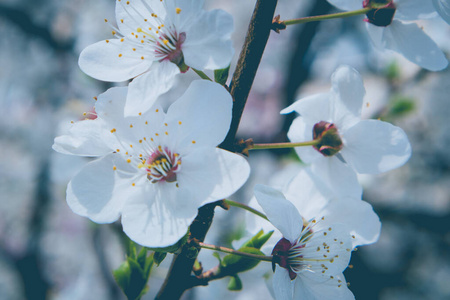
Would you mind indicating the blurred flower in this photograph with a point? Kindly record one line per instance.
(443, 8)
(155, 169)
(364, 146)
(388, 31)
(312, 253)
(150, 31)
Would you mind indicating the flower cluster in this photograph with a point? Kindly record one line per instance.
(156, 168)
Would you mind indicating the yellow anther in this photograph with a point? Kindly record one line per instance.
(120, 55)
(160, 148)
(193, 142)
(128, 2)
(107, 41)
(128, 160)
(113, 130)
(139, 29)
(140, 141)
(114, 168)
(142, 57)
(95, 98)
(140, 114)
(151, 139)
(117, 150)
(131, 125)
(157, 110)
(106, 20)
(156, 31)
(166, 42)
(122, 39)
(146, 123)
(145, 138)
(134, 49)
(121, 20)
(179, 122)
(156, 134)
(72, 122)
(133, 184)
(179, 162)
(178, 10)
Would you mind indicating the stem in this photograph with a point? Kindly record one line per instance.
(246, 207)
(235, 252)
(283, 145)
(201, 74)
(346, 14)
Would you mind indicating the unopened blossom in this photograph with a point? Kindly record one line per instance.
(311, 255)
(389, 26)
(177, 33)
(345, 142)
(154, 169)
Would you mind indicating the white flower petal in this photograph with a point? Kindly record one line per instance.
(358, 216)
(202, 115)
(113, 60)
(347, 4)
(416, 46)
(315, 107)
(189, 11)
(281, 213)
(152, 223)
(311, 287)
(84, 138)
(301, 130)
(348, 89)
(97, 192)
(213, 173)
(414, 9)
(208, 44)
(443, 8)
(340, 177)
(283, 287)
(373, 146)
(144, 90)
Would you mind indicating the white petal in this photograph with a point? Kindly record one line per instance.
(315, 107)
(212, 173)
(151, 222)
(347, 4)
(97, 192)
(358, 216)
(202, 114)
(376, 34)
(443, 8)
(189, 11)
(301, 130)
(283, 287)
(373, 146)
(208, 41)
(84, 139)
(113, 60)
(310, 287)
(416, 46)
(414, 9)
(347, 89)
(144, 90)
(339, 176)
(281, 213)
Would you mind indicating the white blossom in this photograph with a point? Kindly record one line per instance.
(155, 169)
(348, 144)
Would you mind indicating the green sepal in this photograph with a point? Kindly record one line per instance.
(174, 248)
(235, 284)
(221, 75)
(158, 257)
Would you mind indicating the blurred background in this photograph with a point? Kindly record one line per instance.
(48, 252)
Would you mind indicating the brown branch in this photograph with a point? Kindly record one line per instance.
(249, 59)
(179, 278)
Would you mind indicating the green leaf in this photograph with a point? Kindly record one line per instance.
(234, 264)
(122, 276)
(158, 257)
(401, 106)
(132, 276)
(235, 284)
(142, 257)
(258, 240)
(221, 75)
(217, 255)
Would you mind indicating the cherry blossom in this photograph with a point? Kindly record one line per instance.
(178, 34)
(443, 8)
(389, 27)
(312, 254)
(154, 169)
(347, 143)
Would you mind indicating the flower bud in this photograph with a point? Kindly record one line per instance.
(330, 142)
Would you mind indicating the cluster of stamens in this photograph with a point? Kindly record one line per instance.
(162, 165)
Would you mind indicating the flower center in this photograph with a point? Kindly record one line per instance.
(382, 12)
(162, 165)
(330, 142)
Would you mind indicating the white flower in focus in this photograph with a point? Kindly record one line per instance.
(348, 144)
(443, 8)
(312, 254)
(176, 33)
(155, 169)
(388, 30)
